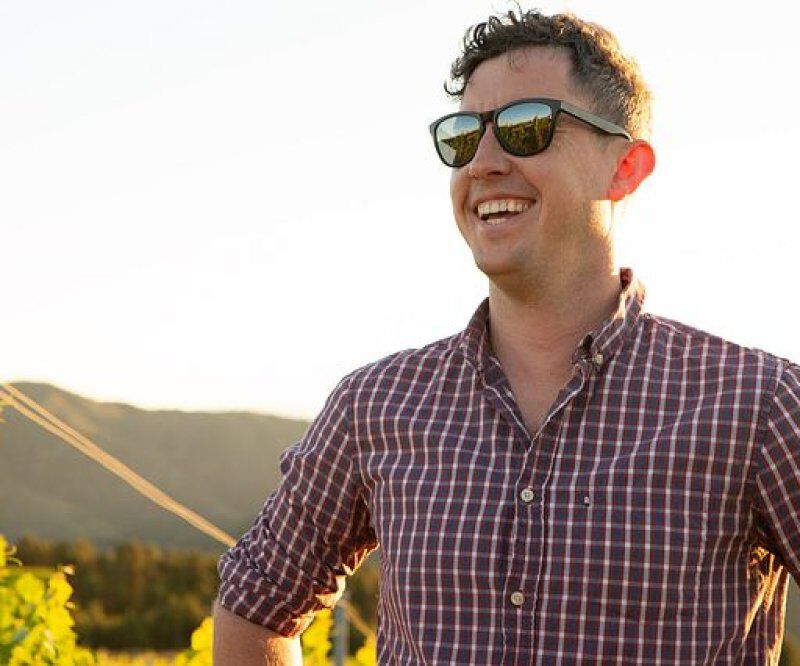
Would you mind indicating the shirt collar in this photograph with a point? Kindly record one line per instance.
(598, 345)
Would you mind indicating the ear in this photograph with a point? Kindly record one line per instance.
(636, 164)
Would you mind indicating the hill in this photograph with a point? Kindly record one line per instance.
(221, 465)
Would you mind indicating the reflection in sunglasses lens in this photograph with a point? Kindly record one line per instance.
(525, 128)
(457, 138)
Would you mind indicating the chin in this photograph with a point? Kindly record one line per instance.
(501, 265)
(495, 270)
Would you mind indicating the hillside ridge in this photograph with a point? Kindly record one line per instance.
(220, 464)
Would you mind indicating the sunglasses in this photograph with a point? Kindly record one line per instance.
(523, 128)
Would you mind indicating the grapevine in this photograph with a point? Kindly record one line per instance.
(36, 625)
(35, 621)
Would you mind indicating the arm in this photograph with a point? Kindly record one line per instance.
(777, 483)
(238, 642)
(311, 533)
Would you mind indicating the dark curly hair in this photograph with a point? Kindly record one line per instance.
(599, 68)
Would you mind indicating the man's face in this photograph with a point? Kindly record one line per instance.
(565, 231)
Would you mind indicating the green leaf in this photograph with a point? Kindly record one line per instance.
(202, 637)
(58, 589)
(30, 588)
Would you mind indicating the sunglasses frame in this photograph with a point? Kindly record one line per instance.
(556, 106)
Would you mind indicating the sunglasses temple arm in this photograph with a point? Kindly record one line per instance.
(596, 121)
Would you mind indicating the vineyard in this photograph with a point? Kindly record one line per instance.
(37, 623)
(37, 626)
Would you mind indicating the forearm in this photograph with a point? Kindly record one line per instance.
(238, 642)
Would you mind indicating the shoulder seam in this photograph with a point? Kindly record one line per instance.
(440, 349)
(765, 413)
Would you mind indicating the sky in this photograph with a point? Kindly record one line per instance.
(229, 206)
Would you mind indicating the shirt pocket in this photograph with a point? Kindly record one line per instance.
(645, 548)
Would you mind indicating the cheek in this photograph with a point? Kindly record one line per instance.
(564, 187)
(590, 174)
(458, 189)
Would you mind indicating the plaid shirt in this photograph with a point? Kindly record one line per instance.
(652, 519)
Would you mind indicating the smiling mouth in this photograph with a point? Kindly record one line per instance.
(497, 211)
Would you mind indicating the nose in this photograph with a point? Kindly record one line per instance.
(490, 158)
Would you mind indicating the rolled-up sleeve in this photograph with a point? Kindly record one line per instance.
(777, 496)
(311, 533)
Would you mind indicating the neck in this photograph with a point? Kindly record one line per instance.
(539, 329)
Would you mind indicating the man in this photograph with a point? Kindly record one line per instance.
(570, 479)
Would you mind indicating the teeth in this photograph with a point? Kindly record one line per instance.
(502, 206)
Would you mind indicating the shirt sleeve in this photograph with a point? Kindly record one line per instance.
(777, 488)
(311, 533)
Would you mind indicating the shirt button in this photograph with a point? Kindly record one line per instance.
(517, 598)
(598, 359)
(527, 495)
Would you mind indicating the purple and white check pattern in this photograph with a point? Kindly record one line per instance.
(652, 519)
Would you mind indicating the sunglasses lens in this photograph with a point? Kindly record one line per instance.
(457, 139)
(526, 128)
